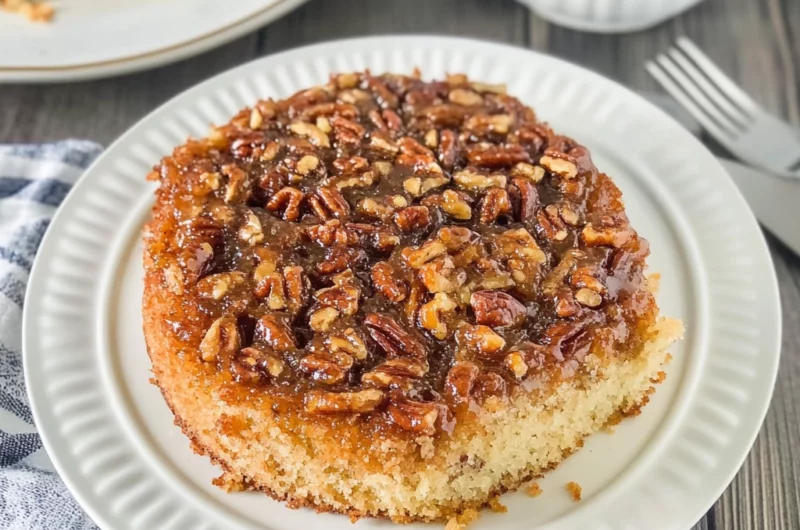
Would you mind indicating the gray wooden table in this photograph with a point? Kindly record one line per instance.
(756, 41)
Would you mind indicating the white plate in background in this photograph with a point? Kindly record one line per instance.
(111, 436)
(608, 16)
(98, 38)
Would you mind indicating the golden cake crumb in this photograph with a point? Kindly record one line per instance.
(35, 11)
(497, 506)
(534, 490)
(574, 490)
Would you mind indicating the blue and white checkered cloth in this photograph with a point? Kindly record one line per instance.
(34, 179)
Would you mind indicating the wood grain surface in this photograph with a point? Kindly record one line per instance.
(756, 41)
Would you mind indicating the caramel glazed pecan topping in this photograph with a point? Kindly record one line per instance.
(384, 245)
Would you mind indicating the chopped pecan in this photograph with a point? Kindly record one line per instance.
(588, 297)
(217, 285)
(394, 340)
(381, 142)
(363, 401)
(560, 166)
(431, 318)
(494, 204)
(415, 416)
(307, 164)
(464, 97)
(480, 340)
(550, 224)
(330, 202)
(496, 156)
(418, 257)
(276, 333)
(221, 339)
(528, 198)
(489, 385)
(412, 218)
(272, 287)
(322, 319)
(496, 309)
(339, 258)
(296, 287)
(349, 342)
(251, 231)
(346, 131)
(331, 233)
(386, 282)
(524, 357)
(238, 187)
(610, 236)
(520, 244)
(386, 98)
(343, 296)
(461, 379)
(173, 277)
(449, 149)
(472, 180)
(528, 171)
(484, 124)
(251, 364)
(416, 156)
(322, 369)
(393, 121)
(455, 205)
(315, 135)
(396, 373)
(565, 304)
(289, 200)
(588, 276)
(442, 276)
(432, 139)
(348, 166)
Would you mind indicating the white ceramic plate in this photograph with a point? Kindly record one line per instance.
(98, 38)
(111, 436)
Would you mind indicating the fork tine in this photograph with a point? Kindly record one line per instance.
(697, 96)
(723, 82)
(677, 92)
(716, 97)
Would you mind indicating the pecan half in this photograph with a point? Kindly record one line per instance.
(528, 198)
(415, 416)
(431, 315)
(363, 401)
(386, 282)
(461, 379)
(221, 339)
(218, 285)
(496, 309)
(339, 258)
(287, 200)
(392, 338)
(396, 373)
(346, 131)
(331, 233)
(276, 333)
(550, 224)
(495, 203)
(412, 218)
(330, 202)
(343, 296)
(497, 156)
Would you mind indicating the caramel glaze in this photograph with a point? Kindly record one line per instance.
(209, 188)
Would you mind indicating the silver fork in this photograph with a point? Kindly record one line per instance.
(726, 112)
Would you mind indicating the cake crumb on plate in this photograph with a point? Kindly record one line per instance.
(574, 490)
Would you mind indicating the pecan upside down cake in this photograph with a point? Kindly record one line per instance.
(394, 298)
